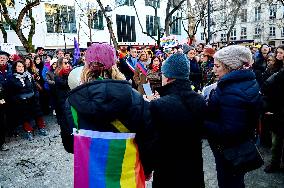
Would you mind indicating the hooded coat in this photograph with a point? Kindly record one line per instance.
(177, 116)
(100, 102)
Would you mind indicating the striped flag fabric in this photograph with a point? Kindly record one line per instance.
(106, 160)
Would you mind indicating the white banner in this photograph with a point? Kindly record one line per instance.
(8, 47)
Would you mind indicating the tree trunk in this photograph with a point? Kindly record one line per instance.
(4, 32)
(235, 16)
(109, 25)
(167, 20)
(32, 31)
(27, 43)
(157, 27)
(169, 14)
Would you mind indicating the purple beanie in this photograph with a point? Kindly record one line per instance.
(101, 53)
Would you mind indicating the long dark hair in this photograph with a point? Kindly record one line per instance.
(152, 60)
(59, 66)
(14, 66)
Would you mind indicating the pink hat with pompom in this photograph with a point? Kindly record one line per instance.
(101, 53)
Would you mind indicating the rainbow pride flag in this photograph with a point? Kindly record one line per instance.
(106, 160)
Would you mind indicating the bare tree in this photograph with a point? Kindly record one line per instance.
(156, 24)
(172, 7)
(109, 24)
(2, 28)
(196, 14)
(226, 17)
(16, 24)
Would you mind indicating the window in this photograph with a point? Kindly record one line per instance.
(272, 11)
(272, 31)
(153, 3)
(124, 2)
(233, 35)
(257, 11)
(125, 28)
(60, 18)
(176, 25)
(223, 37)
(257, 32)
(243, 33)
(282, 32)
(203, 22)
(202, 36)
(97, 20)
(244, 15)
(151, 27)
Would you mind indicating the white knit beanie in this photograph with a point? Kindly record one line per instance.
(234, 56)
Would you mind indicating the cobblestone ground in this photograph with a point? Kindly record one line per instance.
(44, 163)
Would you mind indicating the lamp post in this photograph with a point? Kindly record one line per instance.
(108, 11)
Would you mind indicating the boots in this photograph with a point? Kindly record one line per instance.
(41, 125)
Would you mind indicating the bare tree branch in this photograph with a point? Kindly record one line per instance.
(139, 21)
(15, 24)
(109, 24)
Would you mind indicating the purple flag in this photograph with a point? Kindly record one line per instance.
(76, 52)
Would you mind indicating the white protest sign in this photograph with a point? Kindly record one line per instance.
(8, 47)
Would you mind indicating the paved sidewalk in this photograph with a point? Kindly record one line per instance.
(44, 163)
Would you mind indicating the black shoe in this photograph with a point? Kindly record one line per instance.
(29, 136)
(271, 168)
(42, 132)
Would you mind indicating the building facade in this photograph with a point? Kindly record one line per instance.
(258, 21)
(59, 22)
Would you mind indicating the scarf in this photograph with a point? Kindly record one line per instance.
(64, 72)
(155, 68)
(3, 68)
(22, 77)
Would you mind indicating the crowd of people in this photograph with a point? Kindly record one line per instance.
(243, 102)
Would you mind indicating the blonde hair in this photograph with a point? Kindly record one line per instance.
(98, 72)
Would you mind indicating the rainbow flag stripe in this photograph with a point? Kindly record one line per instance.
(106, 160)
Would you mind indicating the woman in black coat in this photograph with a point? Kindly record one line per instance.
(233, 109)
(61, 88)
(3, 125)
(103, 97)
(273, 91)
(23, 98)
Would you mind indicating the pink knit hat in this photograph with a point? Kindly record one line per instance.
(101, 53)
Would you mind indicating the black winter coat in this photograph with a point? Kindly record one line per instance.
(178, 118)
(61, 90)
(100, 102)
(23, 98)
(273, 90)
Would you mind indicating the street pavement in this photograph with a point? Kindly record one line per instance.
(43, 163)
